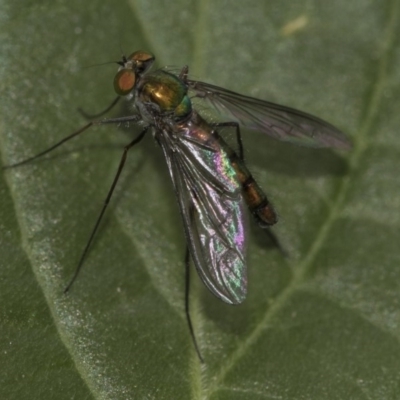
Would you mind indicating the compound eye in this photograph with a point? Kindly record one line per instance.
(141, 56)
(143, 60)
(124, 81)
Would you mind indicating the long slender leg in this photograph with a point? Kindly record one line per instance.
(101, 113)
(187, 309)
(106, 202)
(118, 120)
(72, 135)
(238, 134)
(130, 118)
(184, 76)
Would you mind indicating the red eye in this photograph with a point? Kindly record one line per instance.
(124, 81)
(142, 60)
(141, 56)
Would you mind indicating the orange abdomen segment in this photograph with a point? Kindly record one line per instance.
(254, 196)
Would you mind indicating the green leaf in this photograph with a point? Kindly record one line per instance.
(322, 323)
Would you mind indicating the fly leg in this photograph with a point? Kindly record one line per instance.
(183, 75)
(106, 202)
(130, 118)
(187, 290)
(101, 113)
(238, 134)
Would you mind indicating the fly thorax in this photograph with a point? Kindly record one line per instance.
(184, 109)
(165, 94)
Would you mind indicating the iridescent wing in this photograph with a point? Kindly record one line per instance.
(280, 122)
(212, 209)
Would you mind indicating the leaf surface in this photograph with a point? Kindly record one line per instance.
(322, 323)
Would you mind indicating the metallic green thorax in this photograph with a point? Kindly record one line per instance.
(166, 91)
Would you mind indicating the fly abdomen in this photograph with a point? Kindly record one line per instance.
(258, 203)
(254, 196)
